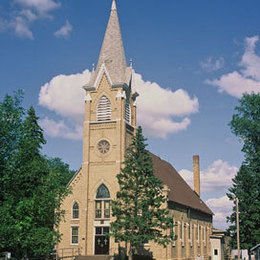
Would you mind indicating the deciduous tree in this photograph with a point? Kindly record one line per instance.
(245, 124)
(32, 186)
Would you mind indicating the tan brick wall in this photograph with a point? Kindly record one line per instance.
(100, 169)
(97, 168)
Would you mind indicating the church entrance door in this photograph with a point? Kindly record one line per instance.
(101, 241)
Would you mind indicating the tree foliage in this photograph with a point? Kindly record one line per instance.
(140, 206)
(246, 185)
(32, 186)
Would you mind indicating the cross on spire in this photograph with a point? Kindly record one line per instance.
(113, 7)
(112, 53)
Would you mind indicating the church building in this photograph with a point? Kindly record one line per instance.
(109, 124)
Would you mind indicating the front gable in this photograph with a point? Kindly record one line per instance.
(103, 78)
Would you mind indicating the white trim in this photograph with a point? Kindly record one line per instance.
(94, 236)
(190, 234)
(102, 70)
(72, 226)
(147, 244)
(204, 235)
(102, 122)
(118, 94)
(183, 233)
(102, 200)
(198, 235)
(174, 231)
(104, 110)
(88, 98)
(75, 201)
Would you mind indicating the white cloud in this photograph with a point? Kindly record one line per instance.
(235, 84)
(156, 106)
(21, 27)
(41, 6)
(28, 14)
(64, 31)
(250, 61)
(218, 176)
(61, 129)
(222, 207)
(25, 13)
(64, 95)
(212, 64)
(247, 80)
(19, 23)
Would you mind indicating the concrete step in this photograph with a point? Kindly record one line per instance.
(94, 257)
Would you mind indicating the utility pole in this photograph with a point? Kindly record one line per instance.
(237, 215)
(238, 242)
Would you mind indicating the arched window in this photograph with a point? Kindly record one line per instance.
(102, 202)
(104, 109)
(75, 210)
(127, 112)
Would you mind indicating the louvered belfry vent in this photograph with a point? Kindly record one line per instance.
(127, 112)
(104, 109)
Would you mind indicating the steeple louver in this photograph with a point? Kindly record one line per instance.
(112, 54)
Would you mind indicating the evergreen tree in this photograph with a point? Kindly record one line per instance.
(140, 206)
(246, 185)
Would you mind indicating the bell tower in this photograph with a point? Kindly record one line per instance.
(109, 124)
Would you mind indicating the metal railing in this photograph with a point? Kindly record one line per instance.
(62, 253)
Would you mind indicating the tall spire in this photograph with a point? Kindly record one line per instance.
(112, 53)
(113, 7)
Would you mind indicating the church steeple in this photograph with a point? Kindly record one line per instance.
(114, 5)
(112, 54)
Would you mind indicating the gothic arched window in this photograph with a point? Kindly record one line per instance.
(75, 210)
(102, 202)
(103, 109)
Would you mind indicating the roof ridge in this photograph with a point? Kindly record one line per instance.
(163, 174)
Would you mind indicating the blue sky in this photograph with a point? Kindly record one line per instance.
(193, 59)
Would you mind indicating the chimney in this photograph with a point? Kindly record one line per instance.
(196, 174)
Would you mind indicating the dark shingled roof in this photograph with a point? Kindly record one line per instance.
(180, 191)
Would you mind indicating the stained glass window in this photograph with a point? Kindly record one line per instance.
(103, 192)
(75, 210)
